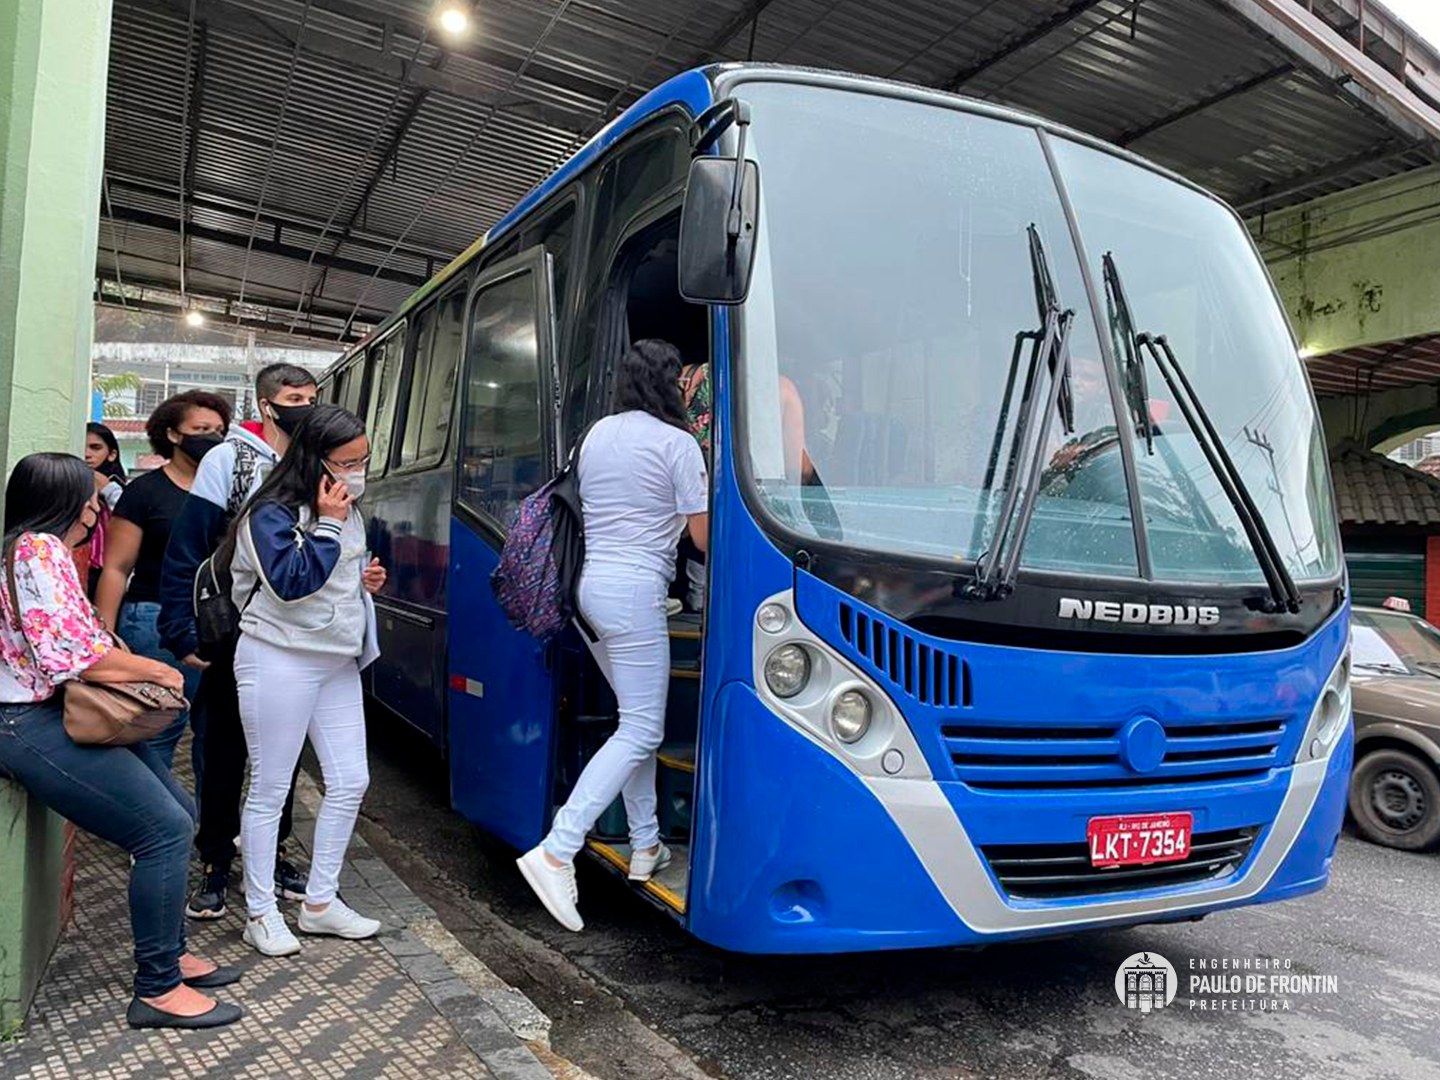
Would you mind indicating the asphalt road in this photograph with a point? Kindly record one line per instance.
(633, 987)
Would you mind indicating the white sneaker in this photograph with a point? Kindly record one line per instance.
(338, 920)
(555, 886)
(237, 843)
(269, 935)
(643, 867)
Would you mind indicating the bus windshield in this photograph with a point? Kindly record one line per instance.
(885, 349)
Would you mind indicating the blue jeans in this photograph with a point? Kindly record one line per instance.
(138, 627)
(125, 795)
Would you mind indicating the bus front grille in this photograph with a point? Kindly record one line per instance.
(1058, 871)
(1084, 755)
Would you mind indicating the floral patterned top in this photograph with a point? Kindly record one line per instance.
(58, 635)
(699, 409)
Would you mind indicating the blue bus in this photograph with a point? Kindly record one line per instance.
(1025, 610)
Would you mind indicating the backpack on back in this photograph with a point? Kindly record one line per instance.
(541, 561)
(217, 619)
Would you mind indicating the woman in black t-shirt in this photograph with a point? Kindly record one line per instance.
(182, 430)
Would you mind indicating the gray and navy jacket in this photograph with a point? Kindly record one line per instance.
(227, 477)
(297, 579)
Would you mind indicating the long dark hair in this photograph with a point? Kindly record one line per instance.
(296, 479)
(648, 379)
(46, 493)
(113, 469)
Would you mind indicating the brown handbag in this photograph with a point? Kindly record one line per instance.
(109, 714)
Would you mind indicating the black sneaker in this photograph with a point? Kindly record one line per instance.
(289, 882)
(208, 901)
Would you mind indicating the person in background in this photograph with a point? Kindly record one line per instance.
(49, 636)
(301, 578)
(182, 430)
(229, 475)
(642, 482)
(102, 454)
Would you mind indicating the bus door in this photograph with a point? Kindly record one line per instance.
(501, 688)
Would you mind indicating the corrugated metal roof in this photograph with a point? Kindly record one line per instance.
(325, 156)
(1414, 361)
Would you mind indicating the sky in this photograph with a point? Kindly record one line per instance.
(1422, 15)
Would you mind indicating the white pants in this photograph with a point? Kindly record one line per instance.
(285, 695)
(627, 610)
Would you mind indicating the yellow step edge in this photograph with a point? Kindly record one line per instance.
(673, 762)
(685, 635)
(610, 855)
(684, 673)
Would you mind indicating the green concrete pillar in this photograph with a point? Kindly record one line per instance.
(53, 60)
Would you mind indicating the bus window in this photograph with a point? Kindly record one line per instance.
(650, 169)
(432, 384)
(386, 361)
(354, 377)
(502, 454)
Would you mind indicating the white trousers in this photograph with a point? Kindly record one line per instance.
(626, 608)
(286, 695)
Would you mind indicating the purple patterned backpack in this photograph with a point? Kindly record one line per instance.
(541, 561)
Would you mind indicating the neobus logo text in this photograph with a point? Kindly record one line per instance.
(1115, 611)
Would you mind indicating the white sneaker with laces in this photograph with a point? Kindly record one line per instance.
(338, 920)
(269, 935)
(554, 885)
(644, 866)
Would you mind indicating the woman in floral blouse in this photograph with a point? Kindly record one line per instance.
(49, 636)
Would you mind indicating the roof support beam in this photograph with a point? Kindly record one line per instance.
(1258, 199)
(109, 293)
(1207, 102)
(266, 245)
(271, 217)
(1018, 43)
(729, 30)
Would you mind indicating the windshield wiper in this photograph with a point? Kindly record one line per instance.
(1137, 388)
(996, 568)
(1283, 594)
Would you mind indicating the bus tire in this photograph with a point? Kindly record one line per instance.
(1395, 800)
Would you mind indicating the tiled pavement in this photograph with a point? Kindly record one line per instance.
(389, 1007)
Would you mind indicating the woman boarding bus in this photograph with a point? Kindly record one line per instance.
(1042, 631)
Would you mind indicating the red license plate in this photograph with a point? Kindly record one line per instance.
(1136, 839)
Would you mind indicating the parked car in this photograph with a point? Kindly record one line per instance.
(1395, 788)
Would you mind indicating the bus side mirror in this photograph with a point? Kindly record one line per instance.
(717, 230)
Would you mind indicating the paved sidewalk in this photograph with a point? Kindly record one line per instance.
(389, 1007)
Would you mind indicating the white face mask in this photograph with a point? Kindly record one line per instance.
(354, 481)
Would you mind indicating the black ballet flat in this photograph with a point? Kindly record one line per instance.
(141, 1015)
(221, 976)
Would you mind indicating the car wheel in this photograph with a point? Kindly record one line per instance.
(1395, 800)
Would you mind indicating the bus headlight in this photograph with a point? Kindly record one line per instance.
(850, 716)
(787, 670)
(1331, 713)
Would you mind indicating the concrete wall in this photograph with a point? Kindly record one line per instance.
(1359, 267)
(53, 58)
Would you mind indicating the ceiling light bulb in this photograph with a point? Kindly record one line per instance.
(194, 318)
(454, 19)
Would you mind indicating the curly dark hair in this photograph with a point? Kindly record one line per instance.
(170, 414)
(649, 380)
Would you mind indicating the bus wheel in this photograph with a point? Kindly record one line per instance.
(1395, 800)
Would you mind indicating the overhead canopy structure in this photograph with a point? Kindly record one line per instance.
(301, 165)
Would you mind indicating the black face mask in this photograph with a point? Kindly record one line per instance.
(197, 446)
(287, 417)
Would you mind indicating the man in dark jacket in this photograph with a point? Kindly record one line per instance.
(227, 477)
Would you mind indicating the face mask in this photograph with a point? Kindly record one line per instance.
(197, 446)
(354, 482)
(287, 417)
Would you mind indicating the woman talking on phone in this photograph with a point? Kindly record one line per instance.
(302, 582)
